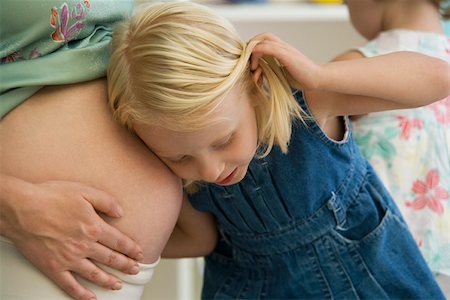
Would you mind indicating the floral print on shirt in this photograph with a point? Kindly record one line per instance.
(59, 19)
(410, 151)
(429, 193)
(66, 23)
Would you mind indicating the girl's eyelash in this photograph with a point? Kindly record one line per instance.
(226, 143)
(221, 146)
(179, 160)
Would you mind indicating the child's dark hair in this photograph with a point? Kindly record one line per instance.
(444, 8)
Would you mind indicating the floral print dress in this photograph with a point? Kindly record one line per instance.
(410, 150)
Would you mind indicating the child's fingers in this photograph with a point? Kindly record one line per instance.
(279, 50)
(266, 36)
(301, 71)
(254, 62)
(263, 38)
(263, 48)
(257, 73)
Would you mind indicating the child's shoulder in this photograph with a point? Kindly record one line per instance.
(429, 43)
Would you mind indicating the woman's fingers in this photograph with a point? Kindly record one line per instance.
(117, 241)
(67, 282)
(105, 233)
(109, 252)
(91, 272)
(101, 201)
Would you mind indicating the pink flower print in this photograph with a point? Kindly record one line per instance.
(16, 55)
(78, 12)
(429, 193)
(420, 243)
(56, 35)
(441, 111)
(406, 125)
(60, 21)
(34, 53)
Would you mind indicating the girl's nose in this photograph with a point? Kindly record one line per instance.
(210, 169)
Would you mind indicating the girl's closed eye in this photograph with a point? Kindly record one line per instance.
(178, 160)
(224, 142)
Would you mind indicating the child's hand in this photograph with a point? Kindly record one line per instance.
(304, 73)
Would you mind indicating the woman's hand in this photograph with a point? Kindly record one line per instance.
(56, 226)
(304, 73)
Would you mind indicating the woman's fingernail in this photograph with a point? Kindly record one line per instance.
(119, 211)
(117, 285)
(134, 270)
(139, 256)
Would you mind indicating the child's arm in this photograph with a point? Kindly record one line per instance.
(195, 234)
(393, 81)
(354, 105)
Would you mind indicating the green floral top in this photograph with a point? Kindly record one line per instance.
(49, 42)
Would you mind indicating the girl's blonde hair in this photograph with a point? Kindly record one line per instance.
(172, 64)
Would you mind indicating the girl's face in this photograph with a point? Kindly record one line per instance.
(219, 153)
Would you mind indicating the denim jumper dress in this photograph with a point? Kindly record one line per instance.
(315, 223)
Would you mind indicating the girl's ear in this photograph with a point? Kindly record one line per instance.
(258, 77)
(258, 80)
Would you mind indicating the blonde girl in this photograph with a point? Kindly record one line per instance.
(300, 213)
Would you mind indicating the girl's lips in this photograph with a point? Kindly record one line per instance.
(228, 179)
